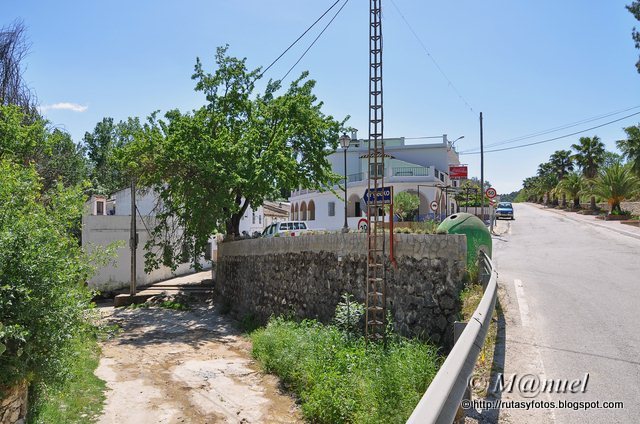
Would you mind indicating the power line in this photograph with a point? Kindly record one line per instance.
(424, 47)
(298, 39)
(555, 138)
(316, 39)
(562, 127)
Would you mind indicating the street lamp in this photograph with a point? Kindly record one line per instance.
(344, 142)
(451, 143)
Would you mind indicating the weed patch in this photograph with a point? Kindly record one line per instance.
(80, 399)
(339, 378)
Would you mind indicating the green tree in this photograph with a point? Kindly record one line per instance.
(562, 163)
(590, 155)
(547, 181)
(616, 183)
(634, 8)
(631, 147)
(26, 140)
(611, 158)
(107, 174)
(572, 185)
(43, 298)
(405, 205)
(209, 165)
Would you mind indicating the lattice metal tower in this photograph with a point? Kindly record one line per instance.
(376, 272)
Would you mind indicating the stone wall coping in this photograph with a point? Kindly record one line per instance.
(412, 245)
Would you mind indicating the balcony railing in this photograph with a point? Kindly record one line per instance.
(410, 171)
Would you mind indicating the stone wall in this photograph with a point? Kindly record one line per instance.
(13, 404)
(307, 275)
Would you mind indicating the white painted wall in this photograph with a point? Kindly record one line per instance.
(100, 231)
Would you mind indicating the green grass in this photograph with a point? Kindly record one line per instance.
(81, 398)
(344, 380)
(471, 297)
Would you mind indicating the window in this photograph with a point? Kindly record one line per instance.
(207, 252)
(253, 218)
(99, 208)
(303, 212)
(375, 169)
(332, 208)
(260, 219)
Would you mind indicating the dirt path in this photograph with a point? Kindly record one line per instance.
(185, 367)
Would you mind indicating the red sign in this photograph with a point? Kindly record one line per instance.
(458, 172)
(491, 192)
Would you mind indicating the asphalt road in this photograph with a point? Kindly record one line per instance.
(571, 294)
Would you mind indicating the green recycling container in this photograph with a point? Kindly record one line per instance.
(478, 236)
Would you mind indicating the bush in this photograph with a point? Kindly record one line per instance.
(43, 300)
(343, 379)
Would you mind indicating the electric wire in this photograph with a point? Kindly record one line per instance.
(424, 47)
(551, 130)
(300, 37)
(316, 39)
(552, 139)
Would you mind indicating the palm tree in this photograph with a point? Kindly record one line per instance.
(631, 147)
(547, 181)
(562, 163)
(572, 185)
(616, 183)
(589, 156)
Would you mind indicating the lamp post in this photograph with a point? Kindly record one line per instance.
(344, 142)
(451, 143)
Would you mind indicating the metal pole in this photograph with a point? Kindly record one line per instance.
(481, 170)
(345, 228)
(133, 239)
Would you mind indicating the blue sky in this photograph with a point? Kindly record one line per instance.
(528, 66)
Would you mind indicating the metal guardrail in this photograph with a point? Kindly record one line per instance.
(442, 399)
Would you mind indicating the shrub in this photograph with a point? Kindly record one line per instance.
(43, 299)
(343, 379)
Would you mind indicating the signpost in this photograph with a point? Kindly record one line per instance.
(491, 192)
(458, 172)
(383, 194)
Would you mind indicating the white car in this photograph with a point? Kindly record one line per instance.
(285, 228)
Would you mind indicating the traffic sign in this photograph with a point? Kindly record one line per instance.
(434, 206)
(363, 224)
(491, 192)
(383, 194)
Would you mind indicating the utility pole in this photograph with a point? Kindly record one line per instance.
(133, 239)
(481, 170)
(376, 290)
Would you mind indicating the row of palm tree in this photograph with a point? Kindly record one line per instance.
(589, 170)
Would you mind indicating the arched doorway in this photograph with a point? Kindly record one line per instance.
(303, 211)
(296, 213)
(311, 210)
(353, 208)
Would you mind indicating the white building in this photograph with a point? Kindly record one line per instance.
(420, 169)
(108, 220)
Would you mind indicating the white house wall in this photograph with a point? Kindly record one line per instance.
(101, 231)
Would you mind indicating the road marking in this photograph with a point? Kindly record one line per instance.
(523, 306)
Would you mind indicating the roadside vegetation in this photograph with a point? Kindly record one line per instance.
(47, 335)
(590, 174)
(470, 299)
(80, 399)
(337, 376)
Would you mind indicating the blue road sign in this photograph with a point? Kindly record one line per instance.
(383, 194)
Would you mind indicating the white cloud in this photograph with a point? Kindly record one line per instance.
(64, 106)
